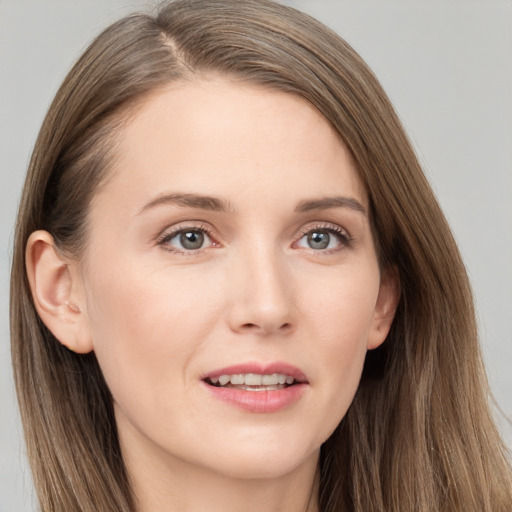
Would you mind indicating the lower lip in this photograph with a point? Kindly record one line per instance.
(259, 401)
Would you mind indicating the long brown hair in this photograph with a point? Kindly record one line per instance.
(419, 434)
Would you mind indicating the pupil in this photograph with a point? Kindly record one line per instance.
(192, 239)
(318, 240)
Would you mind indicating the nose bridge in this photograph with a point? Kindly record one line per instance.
(263, 297)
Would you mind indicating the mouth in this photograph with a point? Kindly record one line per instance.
(252, 381)
(257, 388)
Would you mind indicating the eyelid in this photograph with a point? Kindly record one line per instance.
(345, 237)
(170, 232)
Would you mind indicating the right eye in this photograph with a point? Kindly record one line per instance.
(187, 240)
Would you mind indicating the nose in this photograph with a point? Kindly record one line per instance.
(262, 295)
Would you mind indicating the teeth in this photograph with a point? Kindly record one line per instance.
(269, 380)
(253, 379)
(223, 380)
(260, 388)
(237, 379)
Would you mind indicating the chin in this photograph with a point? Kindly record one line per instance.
(264, 459)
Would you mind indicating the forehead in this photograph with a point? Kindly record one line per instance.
(218, 135)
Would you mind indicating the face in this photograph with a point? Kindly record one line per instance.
(230, 283)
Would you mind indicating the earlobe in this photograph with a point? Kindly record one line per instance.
(56, 293)
(385, 308)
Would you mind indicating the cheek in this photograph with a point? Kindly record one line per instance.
(341, 308)
(146, 328)
(340, 319)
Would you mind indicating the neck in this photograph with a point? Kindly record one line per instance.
(164, 484)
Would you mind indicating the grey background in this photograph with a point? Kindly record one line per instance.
(447, 66)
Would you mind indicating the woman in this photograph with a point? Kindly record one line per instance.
(231, 275)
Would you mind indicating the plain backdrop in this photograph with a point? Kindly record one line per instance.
(447, 66)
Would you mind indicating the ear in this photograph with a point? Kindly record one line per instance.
(385, 307)
(57, 292)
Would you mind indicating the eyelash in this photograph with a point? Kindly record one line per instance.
(167, 236)
(343, 236)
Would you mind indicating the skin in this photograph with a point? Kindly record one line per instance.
(160, 316)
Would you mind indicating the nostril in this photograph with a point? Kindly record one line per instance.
(267, 329)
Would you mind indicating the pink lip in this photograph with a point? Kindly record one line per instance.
(259, 401)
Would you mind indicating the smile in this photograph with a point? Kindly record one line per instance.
(257, 388)
(252, 381)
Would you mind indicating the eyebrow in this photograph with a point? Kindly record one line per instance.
(189, 200)
(326, 203)
(219, 205)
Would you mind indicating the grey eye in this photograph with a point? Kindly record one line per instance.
(191, 240)
(318, 239)
(187, 240)
(324, 239)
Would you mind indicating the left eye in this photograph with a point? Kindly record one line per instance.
(188, 240)
(321, 239)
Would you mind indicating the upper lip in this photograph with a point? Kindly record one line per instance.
(261, 369)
